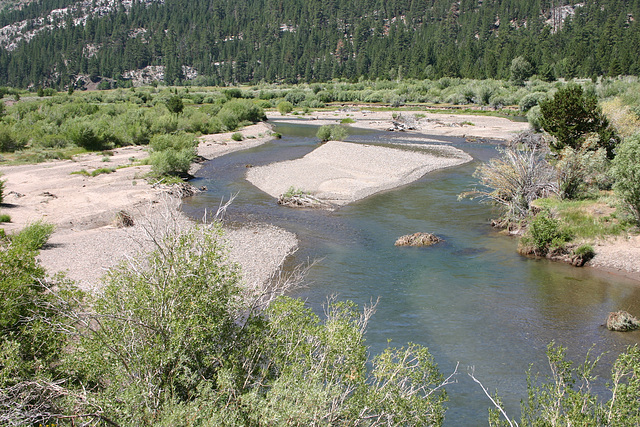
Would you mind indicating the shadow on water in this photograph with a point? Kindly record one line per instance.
(470, 299)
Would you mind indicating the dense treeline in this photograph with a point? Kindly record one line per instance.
(291, 41)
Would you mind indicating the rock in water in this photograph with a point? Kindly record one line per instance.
(418, 239)
(622, 321)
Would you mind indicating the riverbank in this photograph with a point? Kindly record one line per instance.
(436, 124)
(87, 240)
(83, 208)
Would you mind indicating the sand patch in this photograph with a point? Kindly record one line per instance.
(342, 172)
(438, 124)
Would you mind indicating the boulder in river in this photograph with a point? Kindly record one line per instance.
(622, 321)
(418, 239)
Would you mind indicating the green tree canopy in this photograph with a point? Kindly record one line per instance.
(175, 104)
(571, 115)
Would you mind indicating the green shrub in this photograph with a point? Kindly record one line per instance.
(245, 110)
(331, 133)
(175, 105)
(545, 233)
(531, 100)
(534, 117)
(295, 97)
(348, 120)
(571, 115)
(584, 251)
(228, 119)
(566, 396)
(180, 337)
(8, 141)
(626, 170)
(237, 136)
(285, 107)
(583, 172)
(172, 154)
(232, 93)
(5, 218)
(101, 171)
(33, 236)
(2, 184)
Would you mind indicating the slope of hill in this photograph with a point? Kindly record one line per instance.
(50, 42)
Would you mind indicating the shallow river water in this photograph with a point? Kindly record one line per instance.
(471, 299)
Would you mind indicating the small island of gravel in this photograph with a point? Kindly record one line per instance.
(343, 172)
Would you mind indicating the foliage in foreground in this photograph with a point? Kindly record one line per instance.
(567, 396)
(31, 321)
(175, 336)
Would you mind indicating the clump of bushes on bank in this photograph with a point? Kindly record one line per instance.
(57, 126)
(332, 133)
(172, 154)
(557, 192)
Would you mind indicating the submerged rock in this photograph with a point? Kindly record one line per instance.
(622, 321)
(418, 239)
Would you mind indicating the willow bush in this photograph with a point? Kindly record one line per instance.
(626, 167)
(514, 180)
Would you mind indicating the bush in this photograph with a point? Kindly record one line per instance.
(232, 93)
(571, 115)
(581, 172)
(285, 107)
(8, 141)
(34, 236)
(544, 233)
(237, 136)
(626, 170)
(175, 105)
(295, 97)
(584, 251)
(31, 344)
(567, 395)
(2, 184)
(5, 218)
(228, 119)
(531, 100)
(172, 154)
(534, 117)
(244, 110)
(178, 336)
(514, 181)
(331, 133)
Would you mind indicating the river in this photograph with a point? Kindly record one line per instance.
(471, 299)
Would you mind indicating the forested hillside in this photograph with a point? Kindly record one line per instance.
(235, 41)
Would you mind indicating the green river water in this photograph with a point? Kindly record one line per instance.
(471, 299)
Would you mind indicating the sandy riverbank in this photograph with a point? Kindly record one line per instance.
(87, 242)
(436, 124)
